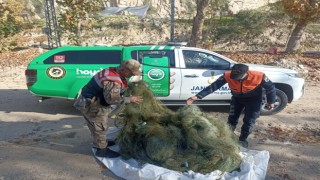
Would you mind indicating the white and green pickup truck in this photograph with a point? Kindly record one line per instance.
(173, 72)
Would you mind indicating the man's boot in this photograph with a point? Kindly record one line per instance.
(243, 140)
(106, 152)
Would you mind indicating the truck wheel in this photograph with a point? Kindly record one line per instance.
(279, 105)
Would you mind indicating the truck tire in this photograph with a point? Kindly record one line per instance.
(279, 105)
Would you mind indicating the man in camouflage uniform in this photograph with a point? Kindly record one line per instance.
(105, 89)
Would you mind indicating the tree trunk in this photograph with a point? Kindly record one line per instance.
(198, 20)
(113, 3)
(295, 37)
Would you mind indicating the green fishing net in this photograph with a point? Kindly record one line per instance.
(187, 139)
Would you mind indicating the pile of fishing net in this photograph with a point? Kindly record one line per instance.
(184, 140)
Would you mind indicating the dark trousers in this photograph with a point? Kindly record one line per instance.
(251, 107)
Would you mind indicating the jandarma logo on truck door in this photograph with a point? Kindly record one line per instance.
(56, 72)
(156, 74)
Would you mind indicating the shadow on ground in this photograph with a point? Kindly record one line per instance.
(20, 100)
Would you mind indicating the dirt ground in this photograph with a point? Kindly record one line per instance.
(49, 140)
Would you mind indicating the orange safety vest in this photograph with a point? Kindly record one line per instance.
(110, 74)
(253, 80)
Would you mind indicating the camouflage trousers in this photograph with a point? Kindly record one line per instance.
(96, 117)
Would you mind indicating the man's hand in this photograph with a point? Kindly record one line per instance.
(269, 106)
(136, 99)
(191, 99)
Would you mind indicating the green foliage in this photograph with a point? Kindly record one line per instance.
(13, 43)
(245, 25)
(252, 21)
(183, 21)
(38, 5)
(276, 9)
(10, 21)
(190, 6)
(8, 28)
(313, 28)
(39, 23)
(218, 6)
(152, 10)
(275, 13)
(26, 26)
(77, 16)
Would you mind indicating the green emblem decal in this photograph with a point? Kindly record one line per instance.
(156, 74)
(56, 72)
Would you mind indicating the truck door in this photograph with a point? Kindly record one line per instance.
(159, 70)
(199, 70)
(156, 72)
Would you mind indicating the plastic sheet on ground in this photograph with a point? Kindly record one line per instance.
(253, 167)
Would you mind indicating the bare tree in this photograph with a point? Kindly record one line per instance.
(198, 20)
(113, 3)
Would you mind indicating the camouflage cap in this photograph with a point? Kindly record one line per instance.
(133, 66)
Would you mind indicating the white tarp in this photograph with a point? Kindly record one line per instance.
(139, 11)
(253, 167)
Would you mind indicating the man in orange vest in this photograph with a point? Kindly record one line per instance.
(104, 89)
(247, 93)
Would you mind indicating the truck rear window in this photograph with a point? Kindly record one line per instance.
(86, 57)
(138, 55)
